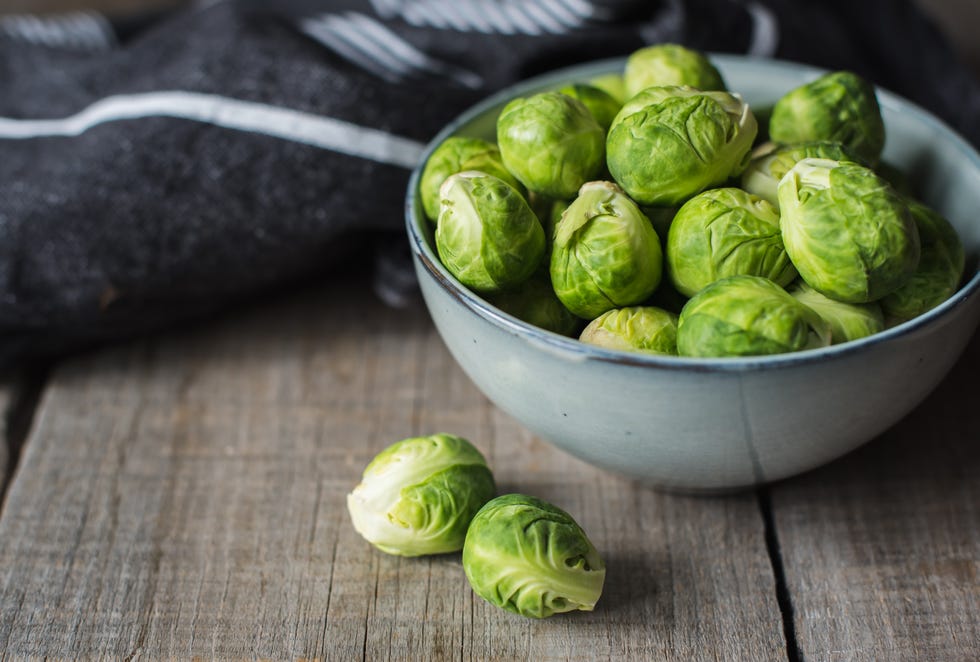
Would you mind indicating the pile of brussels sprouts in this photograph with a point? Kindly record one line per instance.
(648, 212)
(436, 494)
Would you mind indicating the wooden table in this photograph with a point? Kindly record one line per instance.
(184, 497)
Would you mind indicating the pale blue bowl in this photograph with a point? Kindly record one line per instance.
(715, 424)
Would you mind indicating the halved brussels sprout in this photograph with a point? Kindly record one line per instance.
(747, 316)
(456, 154)
(849, 233)
(634, 329)
(839, 107)
(600, 103)
(939, 271)
(551, 142)
(672, 149)
(725, 232)
(670, 64)
(531, 558)
(419, 495)
(770, 162)
(606, 253)
(487, 236)
(848, 321)
(534, 301)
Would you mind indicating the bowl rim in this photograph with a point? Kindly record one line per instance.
(574, 348)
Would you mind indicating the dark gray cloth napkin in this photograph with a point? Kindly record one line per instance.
(156, 170)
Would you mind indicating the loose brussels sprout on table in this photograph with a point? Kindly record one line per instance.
(531, 558)
(551, 142)
(849, 233)
(813, 210)
(606, 253)
(725, 232)
(670, 64)
(487, 235)
(418, 495)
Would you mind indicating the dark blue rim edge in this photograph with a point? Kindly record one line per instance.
(563, 344)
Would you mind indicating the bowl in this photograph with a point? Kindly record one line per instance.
(714, 424)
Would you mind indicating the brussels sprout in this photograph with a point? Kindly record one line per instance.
(600, 103)
(770, 162)
(672, 149)
(725, 232)
(418, 495)
(658, 94)
(634, 329)
(611, 84)
(534, 301)
(606, 253)
(551, 142)
(746, 316)
(848, 232)
(848, 321)
(669, 64)
(839, 107)
(531, 558)
(487, 236)
(939, 272)
(457, 154)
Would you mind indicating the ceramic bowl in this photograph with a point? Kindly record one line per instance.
(715, 424)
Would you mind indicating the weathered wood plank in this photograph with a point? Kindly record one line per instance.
(882, 548)
(186, 497)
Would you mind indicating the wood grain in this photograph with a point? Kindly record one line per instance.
(882, 549)
(184, 497)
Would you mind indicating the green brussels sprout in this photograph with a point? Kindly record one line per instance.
(487, 236)
(672, 149)
(848, 321)
(418, 495)
(838, 107)
(534, 301)
(551, 142)
(611, 84)
(634, 329)
(531, 558)
(456, 154)
(770, 162)
(669, 64)
(747, 316)
(600, 103)
(939, 272)
(849, 233)
(654, 95)
(606, 253)
(725, 232)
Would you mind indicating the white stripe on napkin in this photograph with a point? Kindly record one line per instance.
(298, 126)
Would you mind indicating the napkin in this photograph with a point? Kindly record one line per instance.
(159, 169)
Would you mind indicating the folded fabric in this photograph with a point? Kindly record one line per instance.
(159, 170)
